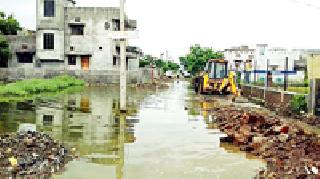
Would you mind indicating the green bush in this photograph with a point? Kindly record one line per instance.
(298, 103)
(34, 86)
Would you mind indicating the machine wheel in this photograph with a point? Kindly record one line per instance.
(200, 86)
(196, 85)
(225, 91)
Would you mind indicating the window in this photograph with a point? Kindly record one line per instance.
(107, 25)
(49, 10)
(24, 46)
(211, 70)
(261, 51)
(48, 41)
(24, 58)
(77, 19)
(77, 29)
(116, 24)
(220, 70)
(47, 120)
(114, 61)
(127, 63)
(100, 48)
(71, 48)
(118, 50)
(72, 60)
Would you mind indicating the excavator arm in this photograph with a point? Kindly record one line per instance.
(232, 82)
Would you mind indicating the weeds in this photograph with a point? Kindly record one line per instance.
(35, 86)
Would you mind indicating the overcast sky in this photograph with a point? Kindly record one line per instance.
(175, 24)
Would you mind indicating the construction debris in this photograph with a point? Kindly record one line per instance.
(289, 151)
(31, 155)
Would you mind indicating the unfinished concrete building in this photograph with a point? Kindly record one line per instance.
(80, 38)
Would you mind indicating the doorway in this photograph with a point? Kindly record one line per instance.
(85, 62)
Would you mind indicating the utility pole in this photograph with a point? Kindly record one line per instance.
(123, 91)
(123, 72)
(285, 85)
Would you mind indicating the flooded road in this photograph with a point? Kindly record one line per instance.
(159, 138)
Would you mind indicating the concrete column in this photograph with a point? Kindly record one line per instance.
(312, 97)
(123, 72)
(285, 85)
(121, 139)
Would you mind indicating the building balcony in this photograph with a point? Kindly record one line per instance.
(123, 35)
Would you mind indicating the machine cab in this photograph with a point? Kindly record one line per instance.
(217, 69)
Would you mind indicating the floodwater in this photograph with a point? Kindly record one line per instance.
(160, 137)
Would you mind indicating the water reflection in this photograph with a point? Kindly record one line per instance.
(162, 136)
(89, 121)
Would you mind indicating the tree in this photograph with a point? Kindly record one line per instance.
(8, 25)
(145, 61)
(158, 63)
(197, 58)
(173, 66)
(4, 51)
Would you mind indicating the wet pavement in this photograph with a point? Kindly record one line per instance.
(165, 135)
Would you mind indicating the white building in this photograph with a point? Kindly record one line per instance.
(256, 60)
(79, 38)
(240, 55)
(276, 57)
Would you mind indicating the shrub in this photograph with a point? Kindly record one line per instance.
(298, 103)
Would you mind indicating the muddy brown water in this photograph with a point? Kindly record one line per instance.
(164, 136)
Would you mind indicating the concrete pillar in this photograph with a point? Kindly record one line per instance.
(285, 84)
(123, 72)
(121, 139)
(313, 96)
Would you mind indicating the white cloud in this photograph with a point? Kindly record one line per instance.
(175, 24)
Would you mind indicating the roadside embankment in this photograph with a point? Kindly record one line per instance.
(34, 86)
(284, 103)
(289, 150)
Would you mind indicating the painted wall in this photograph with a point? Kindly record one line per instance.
(313, 66)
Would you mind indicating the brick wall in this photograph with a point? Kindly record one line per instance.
(91, 77)
(274, 100)
(246, 91)
(257, 92)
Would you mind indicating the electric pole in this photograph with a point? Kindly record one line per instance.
(123, 72)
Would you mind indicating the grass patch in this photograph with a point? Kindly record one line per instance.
(301, 90)
(35, 86)
(43, 95)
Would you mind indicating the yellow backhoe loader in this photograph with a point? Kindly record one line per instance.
(216, 79)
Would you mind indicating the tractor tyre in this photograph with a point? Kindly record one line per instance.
(200, 89)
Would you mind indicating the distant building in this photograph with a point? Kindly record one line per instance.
(238, 55)
(276, 57)
(257, 60)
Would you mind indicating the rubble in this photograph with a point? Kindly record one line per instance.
(311, 120)
(289, 151)
(31, 155)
